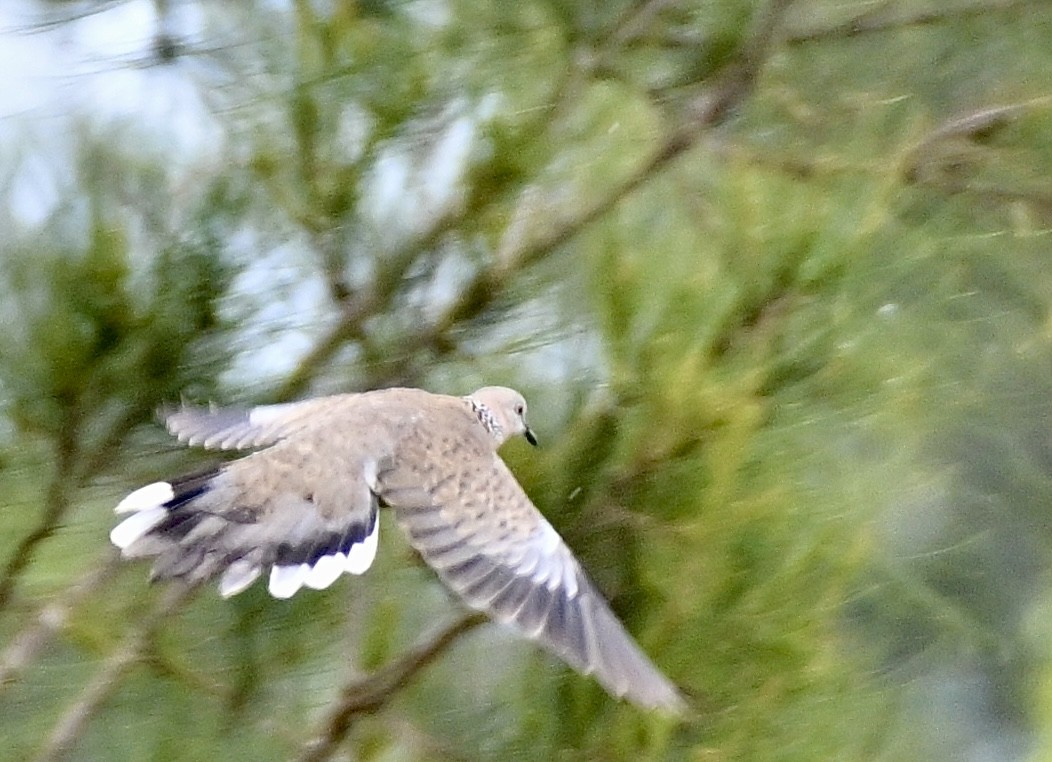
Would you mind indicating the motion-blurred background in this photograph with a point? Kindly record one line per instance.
(776, 278)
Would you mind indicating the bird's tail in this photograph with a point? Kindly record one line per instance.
(205, 525)
(169, 521)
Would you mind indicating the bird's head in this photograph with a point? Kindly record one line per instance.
(503, 412)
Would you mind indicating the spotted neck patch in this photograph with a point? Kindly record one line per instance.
(487, 419)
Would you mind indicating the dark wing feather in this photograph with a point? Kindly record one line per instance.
(487, 541)
(301, 513)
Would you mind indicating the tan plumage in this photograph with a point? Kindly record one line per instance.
(305, 507)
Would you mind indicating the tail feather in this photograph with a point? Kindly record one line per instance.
(160, 519)
(152, 511)
(151, 496)
(137, 526)
(197, 527)
(177, 561)
(238, 577)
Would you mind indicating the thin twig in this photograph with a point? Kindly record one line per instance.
(740, 77)
(356, 308)
(126, 655)
(56, 504)
(106, 448)
(74, 466)
(478, 295)
(884, 20)
(982, 120)
(49, 621)
(633, 24)
(372, 692)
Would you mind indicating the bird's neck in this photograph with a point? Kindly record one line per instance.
(487, 419)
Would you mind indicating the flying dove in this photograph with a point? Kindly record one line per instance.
(303, 506)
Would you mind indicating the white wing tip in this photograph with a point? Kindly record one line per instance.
(151, 496)
(136, 526)
(285, 581)
(360, 557)
(325, 571)
(238, 577)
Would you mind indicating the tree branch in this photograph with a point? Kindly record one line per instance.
(740, 77)
(56, 503)
(68, 730)
(49, 621)
(356, 308)
(970, 126)
(634, 24)
(919, 162)
(517, 253)
(372, 692)
(886, 19)
(73, 467)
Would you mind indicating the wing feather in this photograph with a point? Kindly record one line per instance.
(235, 428)
(303, 518)
(489, 543)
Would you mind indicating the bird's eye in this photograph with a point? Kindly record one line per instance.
(520, 410)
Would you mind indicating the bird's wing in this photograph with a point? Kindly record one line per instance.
(472, 522)
(303, 510)
(244, 428)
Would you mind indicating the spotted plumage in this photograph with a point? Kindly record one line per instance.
(302, 509)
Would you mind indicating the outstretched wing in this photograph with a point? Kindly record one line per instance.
(243, 428)
(486, 540)
(302, 513)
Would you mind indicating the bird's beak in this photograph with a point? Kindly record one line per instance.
(530, 436)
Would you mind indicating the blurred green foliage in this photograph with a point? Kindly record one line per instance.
(789, 361)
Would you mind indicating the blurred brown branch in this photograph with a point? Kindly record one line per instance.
(371, 693)
(126, 655)
(887, 18)
(49, 621)
(74, 466)
(545, 228)
(356, 308)
(740, 76)
(56, 504)
(926, 158)
(635, 22)
(923, 163)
